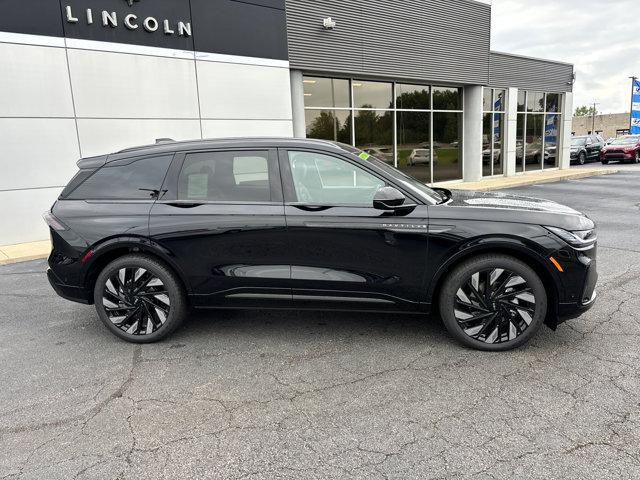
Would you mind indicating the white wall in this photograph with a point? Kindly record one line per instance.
(63, 99)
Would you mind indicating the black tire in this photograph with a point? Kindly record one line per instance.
(582, 158)
(636, 159)
(605, 162)
(144, 304)
(505, 314)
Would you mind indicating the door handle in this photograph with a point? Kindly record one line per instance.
(184, 204)
(312, 208)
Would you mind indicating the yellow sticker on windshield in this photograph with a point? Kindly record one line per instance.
(364, 156)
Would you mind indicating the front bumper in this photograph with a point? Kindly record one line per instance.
(68, 292)
(588, 293)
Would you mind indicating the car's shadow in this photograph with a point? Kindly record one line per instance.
(327, 324)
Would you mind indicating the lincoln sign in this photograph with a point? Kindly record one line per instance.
(130, 21)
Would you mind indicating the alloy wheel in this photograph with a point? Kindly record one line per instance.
(136, 301)
(495, 306)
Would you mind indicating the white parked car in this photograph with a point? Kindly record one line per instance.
(421, 156)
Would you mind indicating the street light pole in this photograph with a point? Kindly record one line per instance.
(633, 84)
(593, 118)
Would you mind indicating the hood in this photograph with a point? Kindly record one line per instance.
(496, 206)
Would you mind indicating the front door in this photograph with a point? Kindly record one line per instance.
(343, 252)
(222, 221)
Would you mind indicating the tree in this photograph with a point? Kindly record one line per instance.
(585, 111)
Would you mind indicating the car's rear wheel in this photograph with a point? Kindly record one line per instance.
(139, 299)
(605, 162)
(636, 159)
(582, 158)
(493, 303)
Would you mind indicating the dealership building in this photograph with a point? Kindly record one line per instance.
(413, 82)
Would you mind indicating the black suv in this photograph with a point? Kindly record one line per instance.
(586, 149)
(147, 233)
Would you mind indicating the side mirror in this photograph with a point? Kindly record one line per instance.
(391, 199)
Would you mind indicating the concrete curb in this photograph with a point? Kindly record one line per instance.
(523, 181)
(23, 252)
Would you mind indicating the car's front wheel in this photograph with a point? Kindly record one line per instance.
(139, 299)
(582, 158)
(493, 303)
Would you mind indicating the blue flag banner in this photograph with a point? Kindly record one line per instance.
(635, 109)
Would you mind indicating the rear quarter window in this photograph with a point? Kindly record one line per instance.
(134, 179)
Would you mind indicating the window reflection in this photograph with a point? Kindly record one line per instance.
(374, 133)
(487, 99)
(414, 147)
(534, 153)
(329, 125)
(553, 102)
(445, 98)
(551, 135)
(413, 97)
(447, 144)
(520, 143)
(535, 102)
(522, 100)
(326, 92)
(372, 94)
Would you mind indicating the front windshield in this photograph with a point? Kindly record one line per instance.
(625, 141)
(415, 185)
(578, 142)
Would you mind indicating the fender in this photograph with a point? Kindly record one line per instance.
(517, 246)
(135, 244)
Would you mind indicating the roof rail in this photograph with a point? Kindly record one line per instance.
(160, 141)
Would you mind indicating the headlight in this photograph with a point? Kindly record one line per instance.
(581, 240)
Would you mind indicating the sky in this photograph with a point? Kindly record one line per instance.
(600, 37)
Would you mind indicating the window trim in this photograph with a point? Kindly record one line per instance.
(290, 194)
(172, 180)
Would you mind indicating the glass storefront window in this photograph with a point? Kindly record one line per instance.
(500, 100)
(395, 122)
(492, 144)
(329, 125)
(445, 98)
(326, 92)
(553, 102)
(534, 153)
(374, 133)
(376, 95)
(520, 143)
(494, 101)
(447, 146)
(535, 102)
(538, 131)
(522, 100)
(486, 144)
(414, 144)
(413, 97)
(551, 135)
(487, 99)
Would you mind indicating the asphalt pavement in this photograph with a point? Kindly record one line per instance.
(328, 395)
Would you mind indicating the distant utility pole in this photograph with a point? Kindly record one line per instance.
(593, 118)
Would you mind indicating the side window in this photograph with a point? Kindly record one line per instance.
(134, 180)
(225, 177)
(326, 180)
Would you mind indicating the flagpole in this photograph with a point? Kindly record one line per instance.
(633, 84)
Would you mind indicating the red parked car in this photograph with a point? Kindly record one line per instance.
(624, 150)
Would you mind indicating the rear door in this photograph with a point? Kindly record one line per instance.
(222, 220)
(343, 252)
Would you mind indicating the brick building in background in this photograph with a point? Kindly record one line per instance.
(608, 125)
